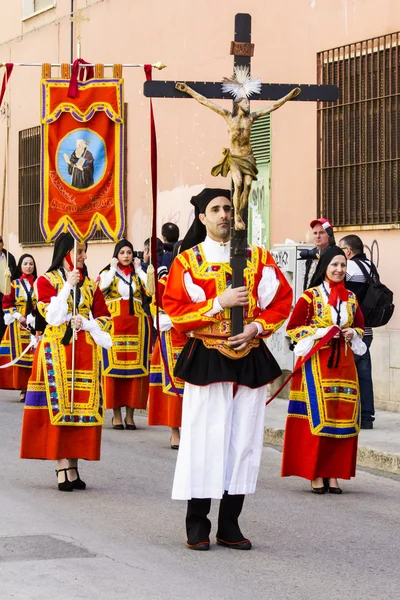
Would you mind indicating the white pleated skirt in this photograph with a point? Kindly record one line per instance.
(221, 441)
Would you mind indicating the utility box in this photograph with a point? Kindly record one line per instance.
(287, 258)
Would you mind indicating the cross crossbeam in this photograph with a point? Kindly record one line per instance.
(269, 91)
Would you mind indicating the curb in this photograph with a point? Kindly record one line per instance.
(366, 457)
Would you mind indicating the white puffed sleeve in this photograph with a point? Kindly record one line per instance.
(102, 338)
(142, 275)
(303, 347)
(357, 345)
(106, 278)
(30, 320)
(57, 310)
(10, 317)
(267, 287)
(164, 322)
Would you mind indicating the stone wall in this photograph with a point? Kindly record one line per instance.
(385, 353)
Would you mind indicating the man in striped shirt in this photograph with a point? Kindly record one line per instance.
(356, 281)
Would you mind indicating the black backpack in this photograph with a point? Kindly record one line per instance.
(377, 305)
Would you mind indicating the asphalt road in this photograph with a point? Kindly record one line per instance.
(124, 538)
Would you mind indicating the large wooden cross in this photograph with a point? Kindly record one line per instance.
(242, 50)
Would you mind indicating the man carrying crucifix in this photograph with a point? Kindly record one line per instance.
(225, 376)
(238, 158)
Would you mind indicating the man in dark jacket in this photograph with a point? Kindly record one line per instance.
(356, 281)
(320, 233)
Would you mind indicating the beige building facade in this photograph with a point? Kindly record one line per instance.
(193, 39)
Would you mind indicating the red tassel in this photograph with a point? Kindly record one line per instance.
(78, 74)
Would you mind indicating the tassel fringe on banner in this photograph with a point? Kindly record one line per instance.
(151, 280)
(7, 280)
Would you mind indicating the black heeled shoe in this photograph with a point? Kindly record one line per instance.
(77, 483)
(130, 426)
(22, 396)
(119, 427)
(173, 446)
(333, 490)
(65, 486)
(318, 490)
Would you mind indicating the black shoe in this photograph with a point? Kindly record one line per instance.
(198, 526)
(367, 424)
(326, 483)
(318, 490)
(65, 486)
(242, 545)
(228, 533)
(129, 426)
(173, 446)
(22, 396)
(119, 427)
(201, 546)
(335, 490)
(77, 483)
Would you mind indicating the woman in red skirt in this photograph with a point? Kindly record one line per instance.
(54, 427)
(322, 426)
(126, 364)
(18, 307)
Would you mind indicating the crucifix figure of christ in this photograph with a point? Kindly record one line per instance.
(242, 50)
(238, 158)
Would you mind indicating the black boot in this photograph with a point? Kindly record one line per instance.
(197, 525)
(229, 533)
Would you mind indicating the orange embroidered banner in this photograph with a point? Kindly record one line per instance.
(82, 172)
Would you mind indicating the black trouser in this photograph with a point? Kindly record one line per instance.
(364, 370)
(198, 526)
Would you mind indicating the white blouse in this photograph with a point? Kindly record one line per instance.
(107, 277)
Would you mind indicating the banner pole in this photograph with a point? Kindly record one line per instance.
(74, 335)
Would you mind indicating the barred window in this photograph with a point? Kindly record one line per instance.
(358, 157)
(29, 186)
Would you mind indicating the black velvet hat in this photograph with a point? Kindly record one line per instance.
(197, 232)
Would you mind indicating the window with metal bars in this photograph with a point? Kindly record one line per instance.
(358, 135)
(29, 186)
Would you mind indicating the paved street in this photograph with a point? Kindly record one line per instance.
(124, 538)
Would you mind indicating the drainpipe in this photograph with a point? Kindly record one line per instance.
(72, 32)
